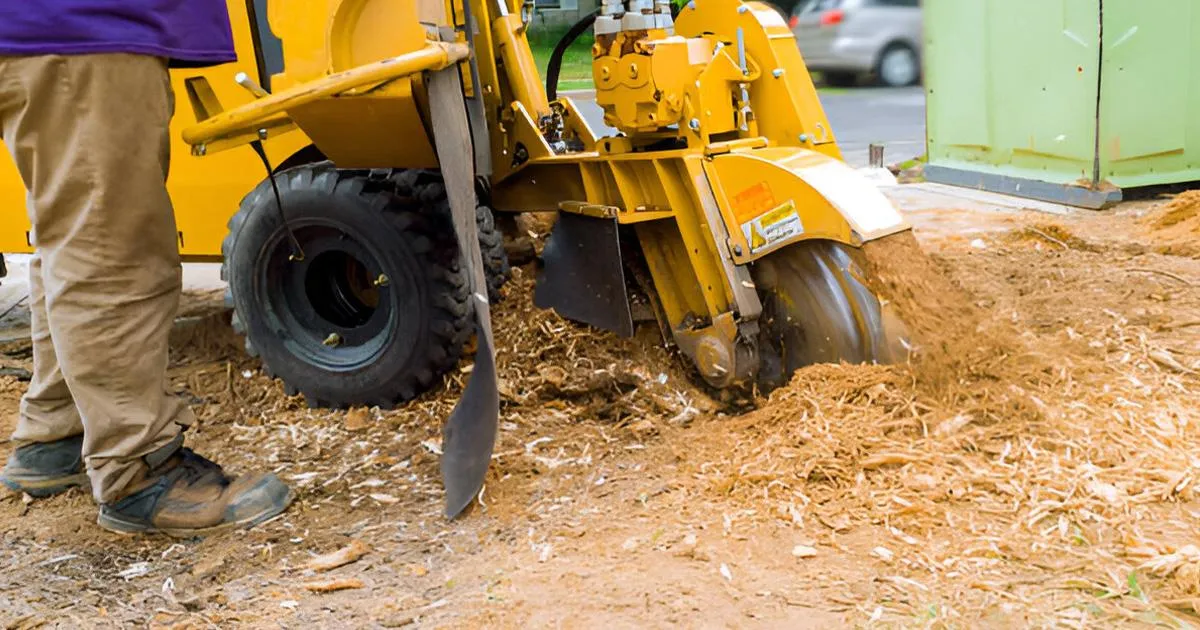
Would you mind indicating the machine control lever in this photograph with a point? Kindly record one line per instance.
(251, 85)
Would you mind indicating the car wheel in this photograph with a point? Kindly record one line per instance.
(898, 66)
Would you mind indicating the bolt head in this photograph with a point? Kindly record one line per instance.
(803, 137)
(743, 9)
(737, 250)
(692, 5)
(694, 124)
(777, 72)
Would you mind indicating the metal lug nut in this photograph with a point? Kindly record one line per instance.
(381, 281)
(333, 340)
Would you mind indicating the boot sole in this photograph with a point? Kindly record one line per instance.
(117, 525)
(44, 488)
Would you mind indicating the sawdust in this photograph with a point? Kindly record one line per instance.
(1033, 463)
(1175, 228)
(1052, 235)
(1037, 449)
(938, 315)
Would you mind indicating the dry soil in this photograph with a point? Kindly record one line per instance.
(1033, 464)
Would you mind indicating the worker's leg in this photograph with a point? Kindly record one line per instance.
(49, 434)
(89, 134)
(48, 411)
(91, 141)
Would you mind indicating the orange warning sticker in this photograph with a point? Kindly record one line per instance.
(752, 202)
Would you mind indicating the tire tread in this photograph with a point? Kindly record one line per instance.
(415, 204)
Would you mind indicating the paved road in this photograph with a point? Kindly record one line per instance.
(894, 117)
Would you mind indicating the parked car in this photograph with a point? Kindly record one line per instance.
(846, 39)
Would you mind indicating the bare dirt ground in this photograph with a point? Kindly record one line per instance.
(1034, 464)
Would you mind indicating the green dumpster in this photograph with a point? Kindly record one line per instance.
(1062, 100)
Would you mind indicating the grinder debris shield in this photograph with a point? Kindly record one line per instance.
(470, 432)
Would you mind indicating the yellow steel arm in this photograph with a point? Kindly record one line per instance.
(271, 109)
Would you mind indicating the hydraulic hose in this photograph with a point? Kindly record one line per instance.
(555, 66)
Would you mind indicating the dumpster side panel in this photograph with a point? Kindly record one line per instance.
(1012, 87)
(1150, 93)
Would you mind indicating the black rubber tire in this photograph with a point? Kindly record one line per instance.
(818, 309)
(431, 190)
(491, 246)
(399, 226)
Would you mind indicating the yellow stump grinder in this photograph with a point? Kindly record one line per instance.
(719, 192)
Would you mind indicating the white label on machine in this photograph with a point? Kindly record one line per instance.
(777, 225)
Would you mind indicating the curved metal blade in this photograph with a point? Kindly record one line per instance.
(470, 432)
(818, 309)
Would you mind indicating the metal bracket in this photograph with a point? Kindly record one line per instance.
(583, 278)
(595, 211)
(725, 353)
(745, 294)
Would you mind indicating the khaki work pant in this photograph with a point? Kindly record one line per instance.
(89, 136)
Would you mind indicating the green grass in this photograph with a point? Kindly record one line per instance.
(576, 71)
(907, 164)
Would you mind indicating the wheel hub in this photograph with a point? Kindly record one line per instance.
(332, 303)
(899, 67)
(341, 289)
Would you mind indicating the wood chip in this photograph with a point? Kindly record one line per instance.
(358, 419)
(1164, 358)
(804, 551)
(350, 553)
(329, 586)
(879, 460)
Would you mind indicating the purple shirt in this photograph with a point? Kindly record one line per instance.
(187, 32)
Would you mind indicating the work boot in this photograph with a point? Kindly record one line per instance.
(187, 495)
(43, 469)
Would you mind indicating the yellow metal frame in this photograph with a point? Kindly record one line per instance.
(273, 111)
(205, 192)
(783, 158)
(753, 151)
